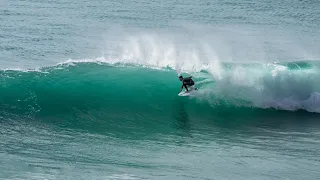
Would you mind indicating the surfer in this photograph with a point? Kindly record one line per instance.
(186, 82)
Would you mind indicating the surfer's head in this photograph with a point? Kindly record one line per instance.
(181, 78)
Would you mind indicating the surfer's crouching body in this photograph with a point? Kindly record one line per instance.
(186, 82)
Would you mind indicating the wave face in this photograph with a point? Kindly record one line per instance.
(116, 91)
(65, 90)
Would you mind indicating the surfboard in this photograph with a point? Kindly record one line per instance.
(184, 93)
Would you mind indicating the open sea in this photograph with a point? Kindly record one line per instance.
(89, 89)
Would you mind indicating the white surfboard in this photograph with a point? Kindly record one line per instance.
(184, 93)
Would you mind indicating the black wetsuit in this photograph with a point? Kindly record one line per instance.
(187, 82)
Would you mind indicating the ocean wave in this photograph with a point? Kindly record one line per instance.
(98, 85)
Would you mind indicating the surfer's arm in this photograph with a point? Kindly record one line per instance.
(184, 86)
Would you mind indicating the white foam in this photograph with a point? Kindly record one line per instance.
(24, 70)
(312, 104)
(122, 177)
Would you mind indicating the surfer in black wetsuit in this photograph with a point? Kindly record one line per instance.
(186, 82)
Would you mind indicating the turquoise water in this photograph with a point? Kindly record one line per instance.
(88, 90)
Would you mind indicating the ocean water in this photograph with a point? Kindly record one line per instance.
(88, 89)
